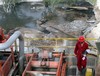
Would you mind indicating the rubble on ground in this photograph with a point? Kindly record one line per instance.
(73, 28)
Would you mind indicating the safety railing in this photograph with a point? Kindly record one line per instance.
(54, 43)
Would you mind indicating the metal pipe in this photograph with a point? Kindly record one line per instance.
(10, 41)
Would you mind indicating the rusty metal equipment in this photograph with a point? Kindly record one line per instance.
(8, 64)
(46, 61)
(50, 63)
(6, 58)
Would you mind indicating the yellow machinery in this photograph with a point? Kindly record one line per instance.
(89, 72)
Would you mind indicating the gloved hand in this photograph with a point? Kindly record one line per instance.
(83, 58)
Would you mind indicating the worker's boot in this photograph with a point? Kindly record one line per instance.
(83, 72)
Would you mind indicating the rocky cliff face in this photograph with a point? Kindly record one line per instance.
(95, 32)
(97, 10)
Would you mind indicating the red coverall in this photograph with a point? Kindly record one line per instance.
(1, 35)
(79, 50)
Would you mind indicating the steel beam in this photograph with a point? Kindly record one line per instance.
(42, 72)
(28, 67)
(60, 65)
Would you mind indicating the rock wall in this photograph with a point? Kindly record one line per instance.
(1, 1)
(97, 10)
(95, 32)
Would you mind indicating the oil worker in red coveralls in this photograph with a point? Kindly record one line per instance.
(79, 51)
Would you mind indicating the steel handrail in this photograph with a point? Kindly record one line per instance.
(57, 40)
(87, 39)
